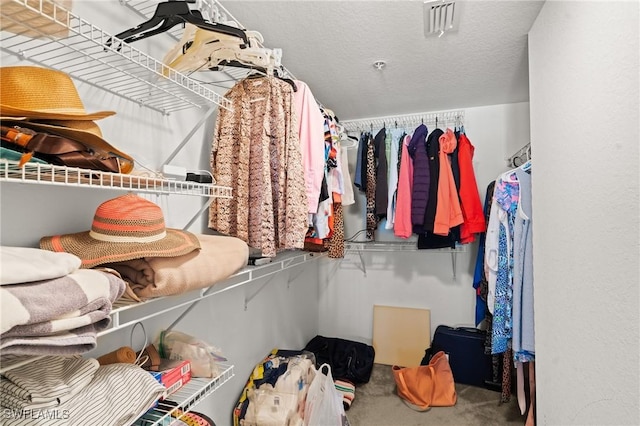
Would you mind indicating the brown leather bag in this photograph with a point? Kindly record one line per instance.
(56, 149)
(427, 386)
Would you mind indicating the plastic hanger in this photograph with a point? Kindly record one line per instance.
(171, 13)
(260, 72)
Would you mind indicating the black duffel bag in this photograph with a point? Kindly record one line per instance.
(348, 359)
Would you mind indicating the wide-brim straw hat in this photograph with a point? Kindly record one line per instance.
(43, 94)
(124, 228)
(85, 131)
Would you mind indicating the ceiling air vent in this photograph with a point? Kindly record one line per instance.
(440, 16)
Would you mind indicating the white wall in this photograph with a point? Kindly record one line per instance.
(421, 279)
(584, 130)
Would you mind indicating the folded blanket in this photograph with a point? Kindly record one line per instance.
(46, 383)
(218, 258)
(117, 395)
(25, 265)
(59, 316)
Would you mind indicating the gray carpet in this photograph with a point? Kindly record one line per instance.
(376, 403)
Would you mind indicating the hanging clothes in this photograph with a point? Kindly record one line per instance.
(348, 197)
(433, 161)
(480, 277)
(372, 219)
(402, 226)
(421, 177)
(448, 211)
(523, 317)
(474, 218)
(256, 152)
(360, 179)
(311, 136)
(380, 149)
(506, 196)
(396, 137)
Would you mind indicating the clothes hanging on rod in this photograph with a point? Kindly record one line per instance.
(504, 273)
(420, 183)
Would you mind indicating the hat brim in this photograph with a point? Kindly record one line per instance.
(90, 139)
(53, 115)
(94, 252)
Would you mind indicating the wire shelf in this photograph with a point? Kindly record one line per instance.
(375, 246)
(186, 398)
(216, 12)
(95, 57)
(431, 119)
(126, 312)
(49, 174)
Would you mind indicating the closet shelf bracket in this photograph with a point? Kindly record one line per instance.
(394, 247)
(187, 138)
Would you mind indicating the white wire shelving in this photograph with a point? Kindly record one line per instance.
(91, 55)
(128, 312)
(212, 9)
(185, 399)
(49, 174)
(400, 246)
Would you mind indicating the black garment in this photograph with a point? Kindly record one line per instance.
(382, 185)
(400, 151)
(455, 169)
(433, 148)
(429, 240)
(362, 159)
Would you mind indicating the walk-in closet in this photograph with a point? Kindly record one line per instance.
(250, 213)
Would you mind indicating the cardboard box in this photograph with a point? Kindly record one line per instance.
(173, 375)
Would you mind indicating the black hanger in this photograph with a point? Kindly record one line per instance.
(171, 13)
(261, 70)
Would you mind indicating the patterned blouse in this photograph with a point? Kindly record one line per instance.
(256, 151)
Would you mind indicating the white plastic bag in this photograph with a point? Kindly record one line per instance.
(204, 358)
(324, 403)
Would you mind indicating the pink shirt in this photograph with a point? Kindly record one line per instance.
(402, 226)
(311, 133)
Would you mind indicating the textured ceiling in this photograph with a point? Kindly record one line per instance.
(332, 45)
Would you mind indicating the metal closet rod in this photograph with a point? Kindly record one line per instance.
(428, 118)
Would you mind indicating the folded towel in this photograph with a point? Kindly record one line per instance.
(25, 265)
(218, 258)
(59, 316)
(117, 395)
(48, 382)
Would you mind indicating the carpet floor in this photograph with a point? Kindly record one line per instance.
(377, 404)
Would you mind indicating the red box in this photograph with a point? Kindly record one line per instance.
(174, 375)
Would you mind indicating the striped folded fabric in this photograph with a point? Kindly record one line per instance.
(348, 391)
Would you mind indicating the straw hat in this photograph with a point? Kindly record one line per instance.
(84, 131)
(124, 228)
(42, 93)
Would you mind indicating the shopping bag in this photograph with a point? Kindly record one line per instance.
(323, 406)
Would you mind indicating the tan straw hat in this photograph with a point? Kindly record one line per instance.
(85, 131)
(124, 228)
(41, 93)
